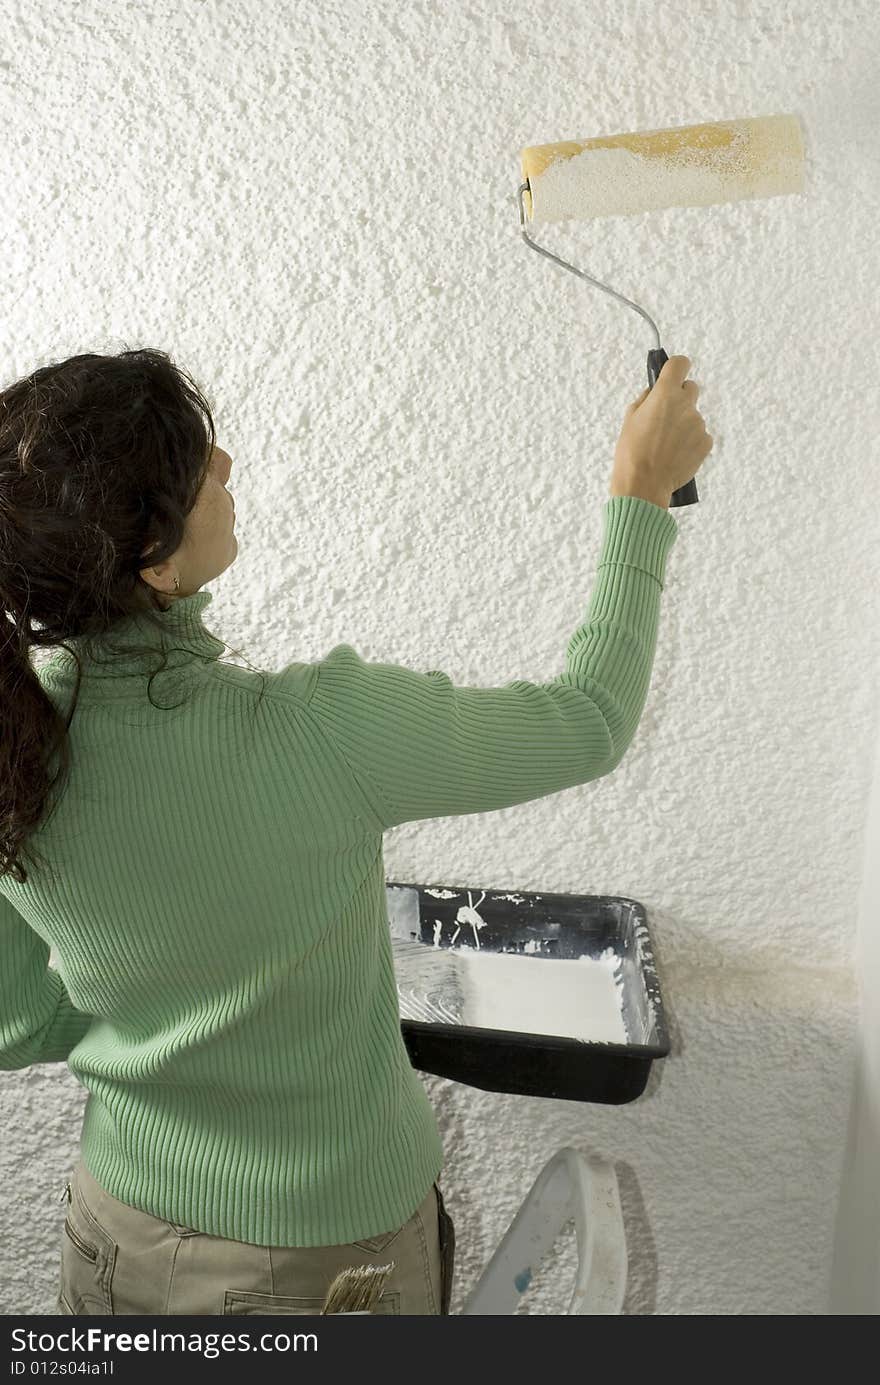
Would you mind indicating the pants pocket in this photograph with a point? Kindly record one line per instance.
(377, 1243)
(88, 1259)
(240, 1304)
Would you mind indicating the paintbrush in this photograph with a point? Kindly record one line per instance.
(356, 1289)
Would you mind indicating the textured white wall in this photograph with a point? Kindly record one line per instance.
(312, 206)
(856, 1272)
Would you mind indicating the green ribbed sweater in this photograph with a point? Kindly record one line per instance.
(225, 988)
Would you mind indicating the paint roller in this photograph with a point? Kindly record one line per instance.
(683, 166)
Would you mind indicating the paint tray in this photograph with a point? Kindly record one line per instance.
(436, 931)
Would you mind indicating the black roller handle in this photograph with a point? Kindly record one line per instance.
(686, 494)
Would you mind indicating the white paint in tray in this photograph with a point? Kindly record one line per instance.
(519, 992)
(576, 999)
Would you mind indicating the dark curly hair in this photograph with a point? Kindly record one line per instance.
(101, 458)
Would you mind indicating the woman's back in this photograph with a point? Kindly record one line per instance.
(216, 898)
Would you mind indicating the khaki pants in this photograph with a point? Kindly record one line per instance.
(118, 1260)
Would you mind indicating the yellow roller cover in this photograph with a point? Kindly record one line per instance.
(683, 166)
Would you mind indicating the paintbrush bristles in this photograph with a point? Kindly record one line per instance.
(356, 1289)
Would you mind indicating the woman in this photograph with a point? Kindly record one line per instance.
(210, 869)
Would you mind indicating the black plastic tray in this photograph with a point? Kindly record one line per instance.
(543, 925)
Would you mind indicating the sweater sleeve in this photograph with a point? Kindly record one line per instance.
(38, 1022)
(421, 747)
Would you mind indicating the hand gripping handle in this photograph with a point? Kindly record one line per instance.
(686, 494)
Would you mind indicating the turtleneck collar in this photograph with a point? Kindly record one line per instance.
(182, 634)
